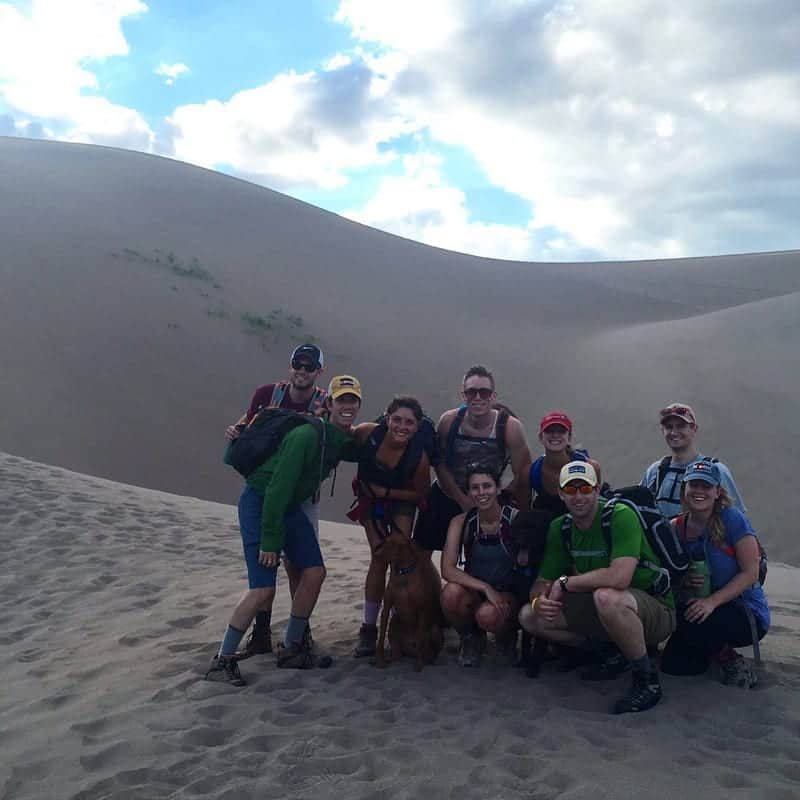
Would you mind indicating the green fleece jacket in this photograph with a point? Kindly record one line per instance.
(293, 474)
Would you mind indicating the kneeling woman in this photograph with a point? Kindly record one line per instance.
(709, 627)
(481, 598)
(393, 479)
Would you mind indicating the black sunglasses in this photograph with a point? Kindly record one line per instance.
(483, 393)
(306, 366)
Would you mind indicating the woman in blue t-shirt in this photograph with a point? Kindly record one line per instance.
(710, 627)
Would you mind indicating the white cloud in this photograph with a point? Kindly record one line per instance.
(297, 130)
(628, 126)
(45, 69)
(420, 205)
(170, 71)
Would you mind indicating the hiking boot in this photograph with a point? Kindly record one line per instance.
(737, 672)
(367, 641)
(645, 692)
(225, 669)
(470, 654)
(608, 669)
(300, 656)
(257, 644)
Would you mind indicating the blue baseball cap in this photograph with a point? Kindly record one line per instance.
(703, 470)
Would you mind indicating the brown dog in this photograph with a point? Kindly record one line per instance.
(413, 592)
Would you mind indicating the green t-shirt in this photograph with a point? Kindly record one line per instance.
(589, 549)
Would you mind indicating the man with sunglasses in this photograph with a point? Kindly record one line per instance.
(583, 591)
(480, 430)
(300, 393)
(663, 478)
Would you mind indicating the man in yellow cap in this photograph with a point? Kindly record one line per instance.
(599, 579)
(272, 519)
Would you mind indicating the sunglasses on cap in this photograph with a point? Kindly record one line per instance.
(584, 488)
(301, 364)
(483, 393)
(676, 411)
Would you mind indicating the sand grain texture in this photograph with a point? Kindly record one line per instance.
(113, 598)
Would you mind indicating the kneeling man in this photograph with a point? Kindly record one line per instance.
(584, 591)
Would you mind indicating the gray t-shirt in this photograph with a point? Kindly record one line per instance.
(668, 494)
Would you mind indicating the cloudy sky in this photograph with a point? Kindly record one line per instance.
(524, 129)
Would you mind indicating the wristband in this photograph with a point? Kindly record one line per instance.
(533, 603)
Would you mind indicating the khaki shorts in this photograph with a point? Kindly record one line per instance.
(658, 619)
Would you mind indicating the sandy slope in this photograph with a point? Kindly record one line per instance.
(125, 357)
(112, 599)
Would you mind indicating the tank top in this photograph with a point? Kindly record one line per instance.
(466, 450)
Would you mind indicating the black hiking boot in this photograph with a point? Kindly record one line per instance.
(225, 669)
(645, 692)
(367, 641)
(258, 643)
(301, 656)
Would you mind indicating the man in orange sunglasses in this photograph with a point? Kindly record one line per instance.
(595, 584)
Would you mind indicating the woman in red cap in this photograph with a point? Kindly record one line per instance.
(555, 434)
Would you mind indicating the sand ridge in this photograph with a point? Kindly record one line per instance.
(113, 598)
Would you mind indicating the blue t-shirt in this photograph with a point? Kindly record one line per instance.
(724, 567)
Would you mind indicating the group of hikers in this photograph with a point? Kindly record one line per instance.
(595, 590)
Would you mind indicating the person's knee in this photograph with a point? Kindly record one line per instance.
(488, 618)
(452, 597)
(609, 602)
(314, 575)
(261, 595)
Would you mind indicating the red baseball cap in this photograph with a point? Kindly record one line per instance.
(555, 418)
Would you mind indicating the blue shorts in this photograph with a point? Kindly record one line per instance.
(301, 546)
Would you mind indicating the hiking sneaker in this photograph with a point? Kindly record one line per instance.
(470, 653)
(367, 641)
(609, 668)
(257, 644)
(737, 672)
(225, 669)
(645, 692)
(301, 656)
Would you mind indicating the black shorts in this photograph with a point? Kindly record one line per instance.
(430, 530)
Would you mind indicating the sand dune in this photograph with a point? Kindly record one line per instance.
(112, 598)
(142, 300)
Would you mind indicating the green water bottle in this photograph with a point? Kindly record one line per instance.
(701, 568)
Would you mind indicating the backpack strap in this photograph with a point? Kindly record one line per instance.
(566, 533)
(605, 524)
(278, 393)
(500, 429)
(663, 469)
(455, 425)
(535, 474)
(469, 532)
(317, 400)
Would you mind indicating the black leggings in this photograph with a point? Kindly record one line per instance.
(690, 648)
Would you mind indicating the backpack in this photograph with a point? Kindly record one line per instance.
(263, 436)
(316, 402)
(578, 454)
(502, 419)
(680, 523)
(673, 560)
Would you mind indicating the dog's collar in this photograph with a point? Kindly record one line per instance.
(404, 570)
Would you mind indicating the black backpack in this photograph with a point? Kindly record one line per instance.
(673, 560)
(263, 436)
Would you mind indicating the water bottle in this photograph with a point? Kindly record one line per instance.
(701, 568)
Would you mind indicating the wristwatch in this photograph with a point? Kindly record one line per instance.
(563, 581)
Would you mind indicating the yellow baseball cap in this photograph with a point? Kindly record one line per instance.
(344, 384)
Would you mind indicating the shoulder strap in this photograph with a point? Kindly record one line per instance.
(680, 527)
(469, 530)
(566, 533)
(536, 474)
(278, 393)
(317, 399)
(502, 421)
(451, 435)
(663, 469)
(605, 524)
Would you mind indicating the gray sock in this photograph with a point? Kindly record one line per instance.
(295, 630)
(230, 641)
(643, 665)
